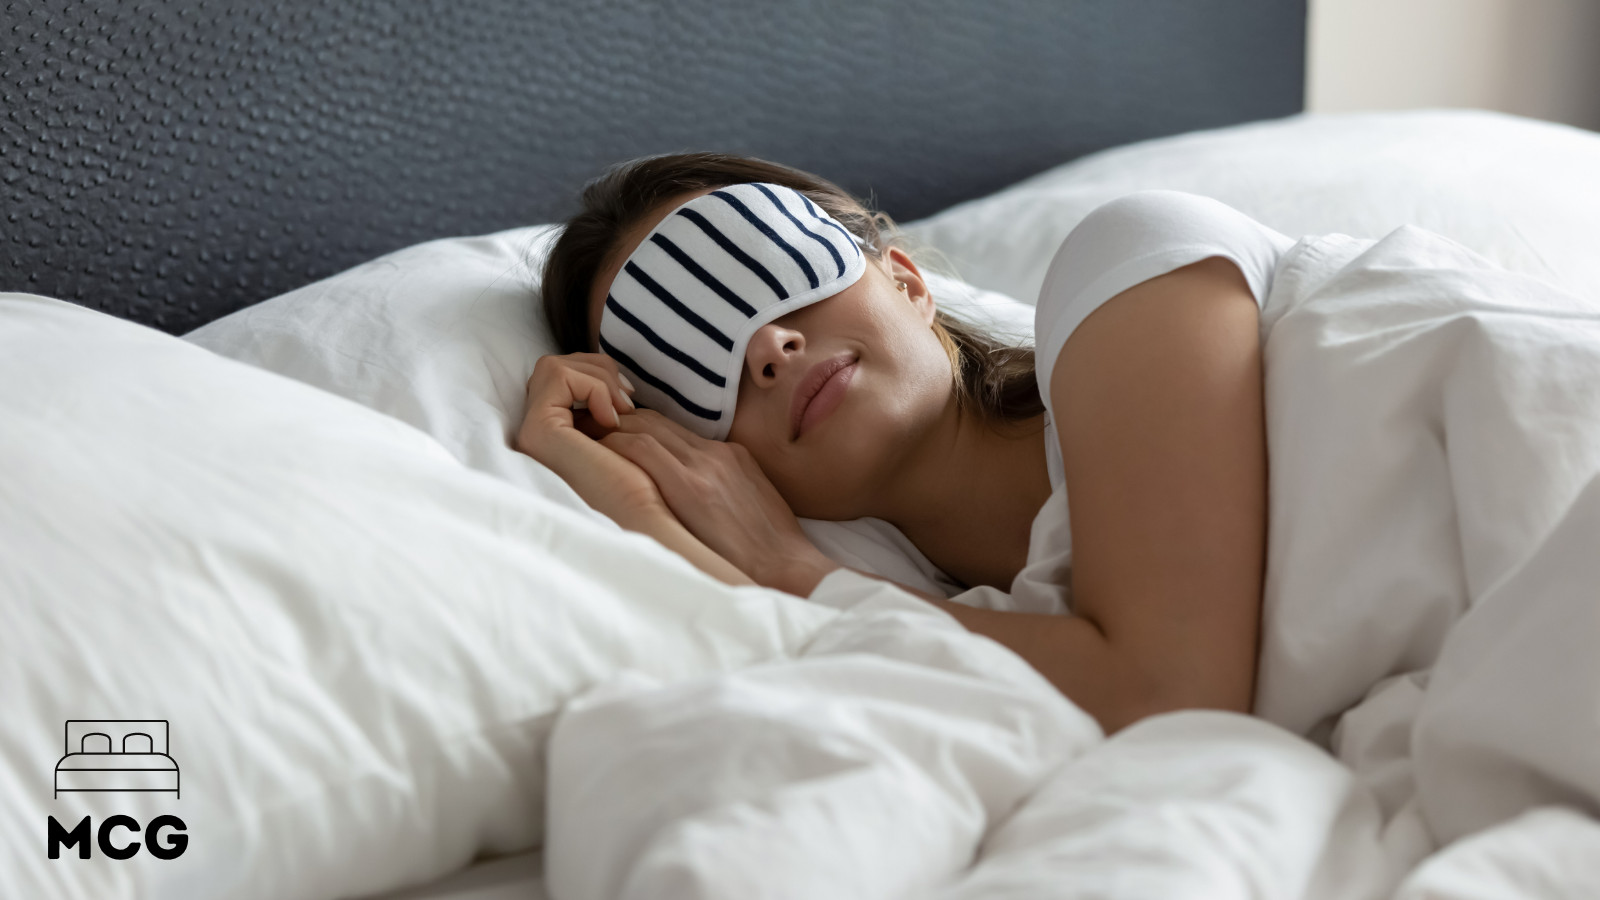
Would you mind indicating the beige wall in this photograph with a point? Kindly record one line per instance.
(1538, 58)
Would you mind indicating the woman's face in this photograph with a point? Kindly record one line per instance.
(899, 386)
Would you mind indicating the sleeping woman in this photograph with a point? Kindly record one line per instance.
(1427, 611)
(746, 343)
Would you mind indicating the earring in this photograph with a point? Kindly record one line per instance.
(899, 285)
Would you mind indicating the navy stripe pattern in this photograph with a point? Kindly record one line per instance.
(681, 311)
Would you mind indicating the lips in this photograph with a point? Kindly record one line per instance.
(807, 389)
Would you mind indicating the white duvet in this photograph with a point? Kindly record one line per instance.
(1434, 436)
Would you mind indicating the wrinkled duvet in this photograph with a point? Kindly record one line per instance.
(1429, 700)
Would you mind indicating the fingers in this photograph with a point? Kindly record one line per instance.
(588, 392)
(605, 368)
(589, 381)
(688, 448)
(596, 396)
(644, 451)
(615, 383)
(662, 430)
(604, 365)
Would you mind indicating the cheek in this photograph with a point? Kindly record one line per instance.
(918, 377)
(906, 341)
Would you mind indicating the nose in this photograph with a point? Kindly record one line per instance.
(771, 349)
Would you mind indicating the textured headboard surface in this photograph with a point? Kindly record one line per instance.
(170, 161)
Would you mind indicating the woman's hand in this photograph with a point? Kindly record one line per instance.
(718, 491)
(571, 441)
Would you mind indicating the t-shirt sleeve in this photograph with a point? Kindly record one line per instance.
(1133, 239)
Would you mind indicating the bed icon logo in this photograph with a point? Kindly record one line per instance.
(112, 755)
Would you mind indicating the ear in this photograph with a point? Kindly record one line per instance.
(901, 268)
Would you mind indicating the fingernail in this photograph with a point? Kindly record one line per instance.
(628, 400)
(625, 382)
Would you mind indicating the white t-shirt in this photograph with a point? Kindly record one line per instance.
(1125, 242)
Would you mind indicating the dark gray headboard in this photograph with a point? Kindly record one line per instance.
(175, 160)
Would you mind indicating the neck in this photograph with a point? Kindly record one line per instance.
(967, 495)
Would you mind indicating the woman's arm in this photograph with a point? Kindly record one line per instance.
(1158, 405)
(1158, 401)
(1069, 651)
(662, 525)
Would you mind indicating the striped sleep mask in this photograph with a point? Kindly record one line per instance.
(683, 307)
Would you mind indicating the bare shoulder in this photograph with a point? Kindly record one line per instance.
(1188, 310)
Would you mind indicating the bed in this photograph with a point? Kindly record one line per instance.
(127, 755)
(273, 297)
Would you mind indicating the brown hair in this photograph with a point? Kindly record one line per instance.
(994, 379)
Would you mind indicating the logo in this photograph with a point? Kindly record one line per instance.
(117, 755)
(112, 756)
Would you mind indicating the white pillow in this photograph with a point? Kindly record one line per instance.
(444, 335)
(358, 644)
(1519, 191)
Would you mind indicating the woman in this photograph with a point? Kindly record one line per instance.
(833, 387)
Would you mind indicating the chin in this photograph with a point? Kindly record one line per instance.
(836, 486)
